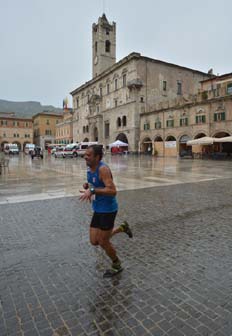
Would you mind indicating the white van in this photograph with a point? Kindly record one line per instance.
(69, 150)
(81, 148)
(29, 148)
(11, 148)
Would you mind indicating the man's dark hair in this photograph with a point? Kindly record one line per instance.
(97, 150)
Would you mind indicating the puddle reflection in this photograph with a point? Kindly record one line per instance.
(52, 177)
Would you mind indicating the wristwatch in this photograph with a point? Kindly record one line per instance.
(92, 190)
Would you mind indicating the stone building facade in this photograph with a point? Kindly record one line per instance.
(167, 128)
(113, 104)
(16, 130)
(64, 129)
(44, 128)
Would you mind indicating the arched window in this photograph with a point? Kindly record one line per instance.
(107, 46)
(124, 121)
(87, 129)
(83, 129)
(119, 122)
(96, 47)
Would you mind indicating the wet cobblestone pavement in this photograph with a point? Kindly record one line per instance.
(177, 277)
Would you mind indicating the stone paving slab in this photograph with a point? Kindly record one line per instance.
(177, 276)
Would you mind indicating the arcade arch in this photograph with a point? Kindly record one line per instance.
(3, 143)
(183, 143)
(199, 135)
(158, 146)
(122, 137)
(221, 134)
(170, 138)
(170, 146)
(158, 138)
(224, 147)
(146, 146)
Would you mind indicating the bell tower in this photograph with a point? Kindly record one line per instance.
(103, 45)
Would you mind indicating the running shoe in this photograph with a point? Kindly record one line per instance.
(115, 269)
(126, 228)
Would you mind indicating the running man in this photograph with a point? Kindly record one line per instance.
(101, 191)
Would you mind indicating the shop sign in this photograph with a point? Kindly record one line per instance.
(170, 144)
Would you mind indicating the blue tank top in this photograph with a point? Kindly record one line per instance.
(101, 204)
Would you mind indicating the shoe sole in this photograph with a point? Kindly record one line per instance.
(110, 274)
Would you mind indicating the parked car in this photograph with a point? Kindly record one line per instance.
(69, 150)
(53, 148)
(59, 153)
(11, 148)
(81, 148)
(37, 152)
(57, 149)
(29, 148)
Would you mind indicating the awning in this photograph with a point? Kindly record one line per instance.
(224, 139)
(118, 143)
(201, 141)
(208, 141)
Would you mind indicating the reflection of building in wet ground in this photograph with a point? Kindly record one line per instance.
(53, 178)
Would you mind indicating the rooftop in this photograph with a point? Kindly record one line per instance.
(132, 56)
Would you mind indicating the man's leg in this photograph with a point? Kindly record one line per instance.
(124, 227)
(104, 241)
(106, 245)
(100, 234)
(93, 236)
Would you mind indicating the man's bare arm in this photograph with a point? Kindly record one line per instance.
(106, 177)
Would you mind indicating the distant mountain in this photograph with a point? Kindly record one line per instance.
(26, 109)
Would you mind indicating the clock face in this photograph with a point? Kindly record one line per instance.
(95, 60)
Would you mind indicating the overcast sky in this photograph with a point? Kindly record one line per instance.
(46, 50)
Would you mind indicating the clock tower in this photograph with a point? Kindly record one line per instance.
(103, 45)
